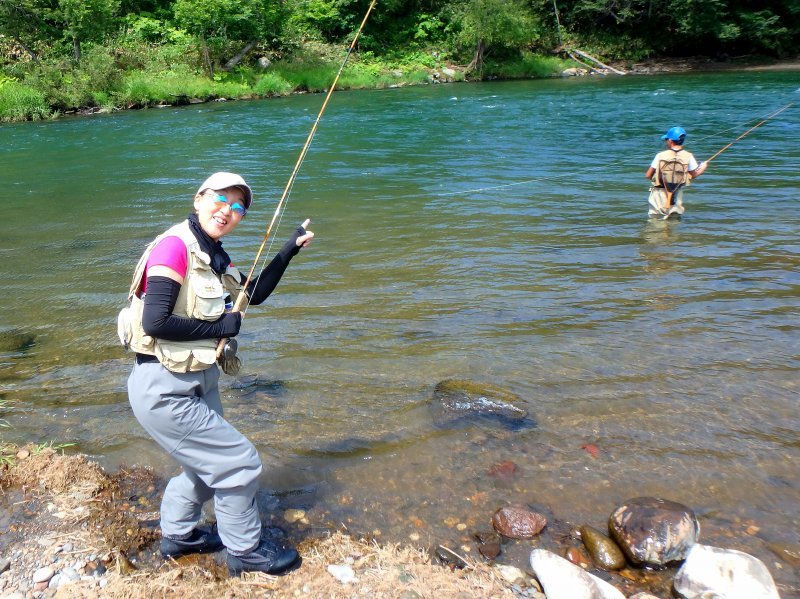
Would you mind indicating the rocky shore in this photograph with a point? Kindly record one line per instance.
(70, 530)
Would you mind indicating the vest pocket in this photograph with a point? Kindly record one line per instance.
(129, 328)
(209, 300)
(175, 356)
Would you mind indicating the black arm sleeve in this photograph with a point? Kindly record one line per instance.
(159, 321)
(260, 289)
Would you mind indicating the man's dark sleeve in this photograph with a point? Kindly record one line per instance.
(262, 286)
(159, 321)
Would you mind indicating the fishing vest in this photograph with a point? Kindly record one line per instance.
(668, 156)
(202, 296)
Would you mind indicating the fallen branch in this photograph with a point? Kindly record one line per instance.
(593, 59)
(586, 64)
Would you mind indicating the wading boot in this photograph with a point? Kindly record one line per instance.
(272, 556)
(202, 539)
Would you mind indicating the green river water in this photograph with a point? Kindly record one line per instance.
(495, 233)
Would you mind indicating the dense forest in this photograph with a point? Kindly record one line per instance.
(61, 55)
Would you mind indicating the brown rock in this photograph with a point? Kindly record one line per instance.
(504, 470)
(489, 550)
(517, 522)
(577, 557)
(604, 551)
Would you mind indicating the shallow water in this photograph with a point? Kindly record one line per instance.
(492, 232)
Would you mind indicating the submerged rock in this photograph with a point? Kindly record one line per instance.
(788, 552)
(711, 571)
(15, 340)
(456, 402)
(488, 544)
(652, 531)
(561, 579)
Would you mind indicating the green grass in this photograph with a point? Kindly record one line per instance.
(272, 84)
(143, 89)
(20, 102)
(528, 66)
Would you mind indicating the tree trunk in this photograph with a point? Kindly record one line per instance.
(76, 48)
(238, 58)
(30, 52)
(207, 61)
(477, 60)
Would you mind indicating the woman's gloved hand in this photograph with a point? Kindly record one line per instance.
(305, 236)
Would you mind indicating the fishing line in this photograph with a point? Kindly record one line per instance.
(243, 299)
(756, 126)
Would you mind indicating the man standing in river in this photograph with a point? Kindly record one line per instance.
(671, 171)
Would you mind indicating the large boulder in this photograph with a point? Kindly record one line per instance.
(562, 579)
(714, 572)
(652, 531)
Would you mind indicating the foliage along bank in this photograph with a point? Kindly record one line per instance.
(64, 55)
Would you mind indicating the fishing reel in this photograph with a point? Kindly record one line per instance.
(228, 360)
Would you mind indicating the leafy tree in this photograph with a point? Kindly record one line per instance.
(86, 20)
(35, 22)
(484, 24)
(326, 20)
(29, 23)
(222, 25)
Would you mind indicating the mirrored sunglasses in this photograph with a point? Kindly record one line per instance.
(236, 206)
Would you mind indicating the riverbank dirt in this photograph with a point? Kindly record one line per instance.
(698, 64)
(96, 535)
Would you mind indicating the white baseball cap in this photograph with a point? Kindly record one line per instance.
(220, 181)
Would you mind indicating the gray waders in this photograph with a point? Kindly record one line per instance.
(183, 413)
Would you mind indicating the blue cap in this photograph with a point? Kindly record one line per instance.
(675, 134)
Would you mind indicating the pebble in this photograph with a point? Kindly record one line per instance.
(43, 574)
(511, 574)
(294, 515)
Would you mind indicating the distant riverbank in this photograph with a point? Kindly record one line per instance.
(78, 93)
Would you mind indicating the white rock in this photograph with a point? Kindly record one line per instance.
(723, 572)
(510, 573)
(42, 575)
(562, 579)
(343, 573)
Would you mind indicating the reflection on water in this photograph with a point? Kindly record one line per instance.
(670, 346)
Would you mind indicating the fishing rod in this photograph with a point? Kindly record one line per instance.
(756, 126)
(242, 299)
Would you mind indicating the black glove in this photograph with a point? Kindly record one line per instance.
(262, 286)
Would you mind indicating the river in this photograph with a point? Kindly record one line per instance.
(495, 233)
